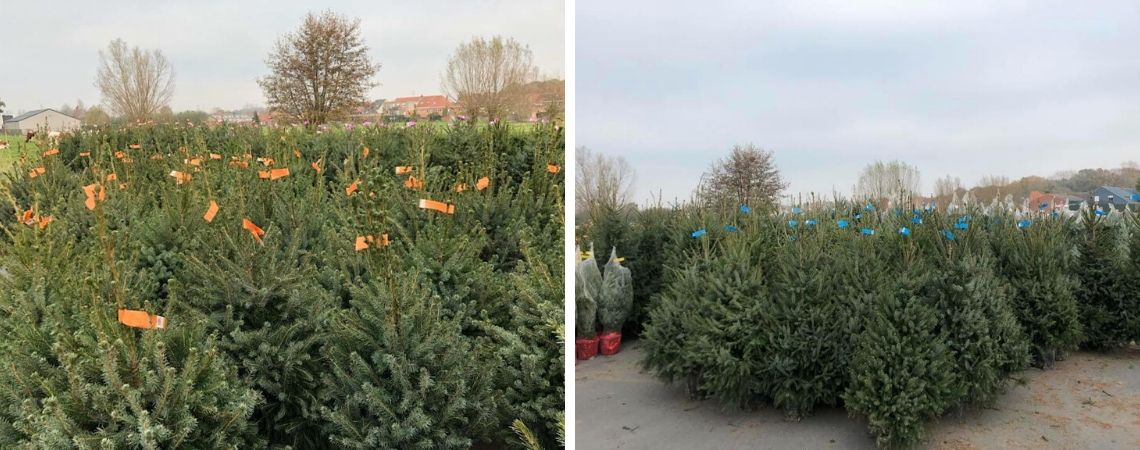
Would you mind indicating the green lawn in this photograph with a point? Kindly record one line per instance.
(16, 145)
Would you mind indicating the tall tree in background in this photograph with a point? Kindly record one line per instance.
(993, 181)
(600, 182)
(947, 186)
(747, 176)
(135, 83)
(486, 77)
(321, 72)
(893, 180)
(96, 116)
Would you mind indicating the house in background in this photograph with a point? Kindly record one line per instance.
(1115, 197)
(47, 119)
(1053, 202)
(419, 106)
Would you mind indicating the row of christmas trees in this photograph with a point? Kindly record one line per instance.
(270, 325)
(897, 315)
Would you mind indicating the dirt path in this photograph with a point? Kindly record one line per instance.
(1090, 400)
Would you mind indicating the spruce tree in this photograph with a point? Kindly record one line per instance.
(400, 375)
(77, 378)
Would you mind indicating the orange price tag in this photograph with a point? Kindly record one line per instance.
(442, 207)
(141, 319)
(482, 183)
(413, 183)
(553, 168)
(273, 174)
(400, 170)
(352, 188)
(180, 177)
(255, 230)
(211, 212)
(36, 172)
(54, 151)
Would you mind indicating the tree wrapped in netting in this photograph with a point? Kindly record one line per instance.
(616, 294)
(587, 292)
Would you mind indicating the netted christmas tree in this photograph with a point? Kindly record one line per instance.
(587, 291)
(616, 294)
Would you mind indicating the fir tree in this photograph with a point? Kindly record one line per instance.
(901, 373)
(1103, 306)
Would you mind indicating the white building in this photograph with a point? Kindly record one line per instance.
(47, 119)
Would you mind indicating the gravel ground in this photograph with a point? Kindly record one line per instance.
(1090, 400)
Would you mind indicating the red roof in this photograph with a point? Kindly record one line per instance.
(425, 101)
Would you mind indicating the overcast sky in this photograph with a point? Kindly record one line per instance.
(963, 88)
(49, 51)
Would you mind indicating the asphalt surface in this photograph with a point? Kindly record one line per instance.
(1090, 400)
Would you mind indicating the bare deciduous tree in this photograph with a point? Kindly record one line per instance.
(993, 181)
(892, 181)
(747, 176)
(947, 186)
(135, 83)
(486, 77)
(321, 72)
(600, 182)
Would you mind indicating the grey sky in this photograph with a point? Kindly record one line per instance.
(963, 88)
(49, 50)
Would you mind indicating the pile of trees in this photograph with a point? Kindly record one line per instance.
(307, 299)
(898, 315)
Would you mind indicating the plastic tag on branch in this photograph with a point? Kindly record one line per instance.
(85, 154)
(433, 205)
(120, 154)
(362, 242)
(699, 233)
(134, 146)
(215, 156)
(273, 174)
(841, 223)
(793, 223)
(180, 177)
(1025, 223)
(49, 152)
(365, 152)
(193, 161)
(352, 188)
(317, 165)
(810, 222)
(253, 229)
(461, 187)
(413, 183)
(111, 177)
(401, 170)
(141, 319)
(155, 157)
(94, 193)
(265, 161)
(211, 212)
(482, 183)
(730, 229)
(745, 209)
(553, 168)
(904, 231)
(36, 172)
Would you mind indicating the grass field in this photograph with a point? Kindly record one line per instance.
(16, 145)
